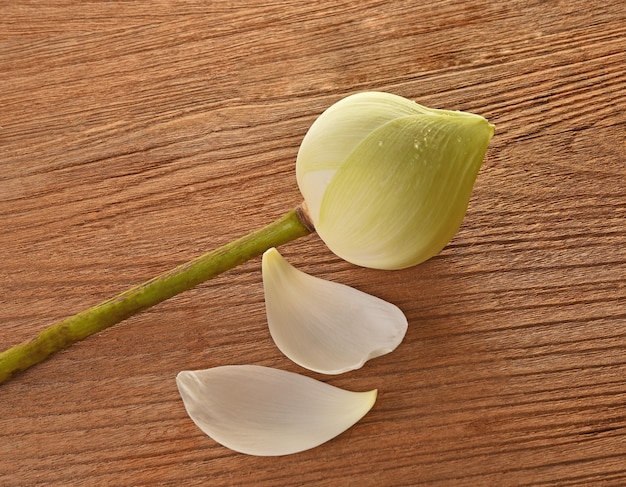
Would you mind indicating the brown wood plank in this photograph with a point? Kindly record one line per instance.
(137, 135)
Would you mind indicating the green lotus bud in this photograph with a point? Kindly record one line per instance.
(386, 182)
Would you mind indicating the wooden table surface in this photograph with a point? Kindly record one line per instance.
(137, 135)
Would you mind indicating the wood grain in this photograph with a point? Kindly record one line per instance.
(137, 135)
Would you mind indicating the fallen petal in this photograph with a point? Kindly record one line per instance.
(267, 412)
(325, 326)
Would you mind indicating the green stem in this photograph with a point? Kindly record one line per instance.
(61, 335)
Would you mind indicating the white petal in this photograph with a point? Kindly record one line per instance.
(263, 411)
(326, 326)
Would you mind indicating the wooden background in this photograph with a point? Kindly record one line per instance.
(135, 135)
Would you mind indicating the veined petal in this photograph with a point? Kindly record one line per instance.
(263, 411)
(325, 326)
(402, 194)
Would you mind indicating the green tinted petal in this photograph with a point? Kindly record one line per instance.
(402, 193)
(337, 132)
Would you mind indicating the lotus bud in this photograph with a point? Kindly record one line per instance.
(386, 182)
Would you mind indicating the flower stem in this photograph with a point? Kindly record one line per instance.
(61, 335)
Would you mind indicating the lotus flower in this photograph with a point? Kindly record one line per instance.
(386, 182)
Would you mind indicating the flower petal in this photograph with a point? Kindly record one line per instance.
(402, 194)
(337, 132)
(326, 326)
(263, 411)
